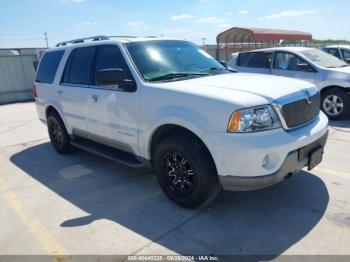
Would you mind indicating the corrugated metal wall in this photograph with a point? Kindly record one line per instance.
(16, 77)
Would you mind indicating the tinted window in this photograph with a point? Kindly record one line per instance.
(255, 59)
(48, 67)
(288, 61)
(242, 59)
(333, 51)
(346, 55)
(110, 57)
(78, 67)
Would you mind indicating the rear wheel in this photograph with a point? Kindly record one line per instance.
(186, 171)
(336, 103)
(58, 134)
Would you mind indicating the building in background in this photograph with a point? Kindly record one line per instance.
(237, 39)
(17, 71)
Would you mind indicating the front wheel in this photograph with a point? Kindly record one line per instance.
(186, 171)
(335, 104)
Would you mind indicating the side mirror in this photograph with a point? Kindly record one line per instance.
(114, 77)
(305, 67)
(223, 63)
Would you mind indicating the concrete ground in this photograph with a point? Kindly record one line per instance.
(81, 204)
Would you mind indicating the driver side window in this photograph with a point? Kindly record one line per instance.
(110, 65)
(290, 62)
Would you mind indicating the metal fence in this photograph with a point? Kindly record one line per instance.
(224, 52)
(17, 71)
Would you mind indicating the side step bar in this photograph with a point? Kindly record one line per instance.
(110, 153)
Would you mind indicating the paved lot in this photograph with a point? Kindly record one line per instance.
(83, 204)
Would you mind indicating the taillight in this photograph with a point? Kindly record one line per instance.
(34, 93)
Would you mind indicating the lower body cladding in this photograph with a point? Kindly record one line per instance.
(257, 160)
(308, 156)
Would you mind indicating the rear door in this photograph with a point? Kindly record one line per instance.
(112, 111)
(254, 62)
(290, 65)
(73, 89)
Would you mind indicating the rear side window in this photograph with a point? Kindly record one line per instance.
(242, 59)
(255, 59)
(48, 67)
(78, 67)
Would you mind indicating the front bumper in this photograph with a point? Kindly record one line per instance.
(293, 163)
(242, 156)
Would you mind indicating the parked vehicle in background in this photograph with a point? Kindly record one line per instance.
(168, 105)
(340, 51)
(328, 73)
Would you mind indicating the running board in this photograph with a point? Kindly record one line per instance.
(110, 153)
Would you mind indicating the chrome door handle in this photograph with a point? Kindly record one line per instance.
(95, 98)
(60, 92)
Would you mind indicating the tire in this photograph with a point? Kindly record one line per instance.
(335, 104)
(186, 171)
(59, 137)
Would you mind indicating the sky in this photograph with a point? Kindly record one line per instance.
(23, 22)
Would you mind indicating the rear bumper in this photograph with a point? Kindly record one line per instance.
(293, 163)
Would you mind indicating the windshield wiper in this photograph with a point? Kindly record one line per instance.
(175, 75)
(213, 69)
(345, 65)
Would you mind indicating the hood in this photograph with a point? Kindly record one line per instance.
(272, 88)
(345, 70)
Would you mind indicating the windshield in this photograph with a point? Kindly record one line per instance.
(164, 60)
(323, 59)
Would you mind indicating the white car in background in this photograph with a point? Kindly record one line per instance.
(340, 51)
(328, 73)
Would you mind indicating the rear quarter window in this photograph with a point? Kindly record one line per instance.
(255, 59)
(48, 67)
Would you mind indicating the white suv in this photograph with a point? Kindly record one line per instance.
(328, 73)
(168, 105)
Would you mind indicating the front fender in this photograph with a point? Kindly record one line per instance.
(339, 83)
(185, 118)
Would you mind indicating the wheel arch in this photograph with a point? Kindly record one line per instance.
(51, 108)
(168, 129)
(329, 87)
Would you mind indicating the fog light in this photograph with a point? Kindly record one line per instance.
(265, 161)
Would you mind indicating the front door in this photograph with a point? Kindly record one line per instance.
(112, 110)
(291, 65)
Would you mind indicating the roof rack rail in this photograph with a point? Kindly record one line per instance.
(122, 36)
(82, 40)
(98, 38)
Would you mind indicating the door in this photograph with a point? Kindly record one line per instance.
(290, 65)
(113, 102)
(254, 62)
(72, 91)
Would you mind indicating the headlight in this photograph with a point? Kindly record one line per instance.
(252, 120)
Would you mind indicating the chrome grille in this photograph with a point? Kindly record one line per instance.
(301, 111)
